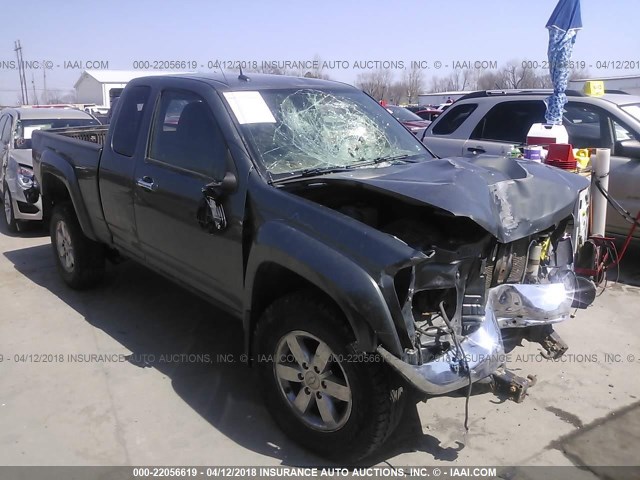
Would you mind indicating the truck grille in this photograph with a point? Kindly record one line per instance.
(509, 264)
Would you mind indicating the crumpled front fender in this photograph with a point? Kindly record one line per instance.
(483, 349)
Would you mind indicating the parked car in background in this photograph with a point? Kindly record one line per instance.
(94, 109)
(429, 114)
(16, 172)
(413, 122)
(489, 122)
(417, 108)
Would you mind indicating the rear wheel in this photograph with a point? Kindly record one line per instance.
(80, 260)
(321, 391)
(9, 217)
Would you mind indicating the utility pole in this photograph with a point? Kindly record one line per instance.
(23, 79)
(45, 96)
(33, 85)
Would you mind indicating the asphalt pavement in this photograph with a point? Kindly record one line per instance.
(141, 372)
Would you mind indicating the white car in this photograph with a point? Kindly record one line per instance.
(19, 194)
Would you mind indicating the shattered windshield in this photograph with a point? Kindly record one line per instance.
(296, 130)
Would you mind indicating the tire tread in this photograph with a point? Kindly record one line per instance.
(385, 412)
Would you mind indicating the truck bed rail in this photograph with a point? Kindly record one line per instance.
(91, 134)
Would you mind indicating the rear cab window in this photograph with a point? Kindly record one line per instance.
(129, 120)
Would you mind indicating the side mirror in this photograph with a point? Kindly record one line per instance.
(211, 215)
(628, 148)
(218, 190)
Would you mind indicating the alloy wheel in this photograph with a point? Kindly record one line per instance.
(64, 246)
(313, 381)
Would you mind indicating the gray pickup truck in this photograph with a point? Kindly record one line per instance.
(366, 273)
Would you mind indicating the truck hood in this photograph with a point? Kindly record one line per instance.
(511, 199)
(23, 157)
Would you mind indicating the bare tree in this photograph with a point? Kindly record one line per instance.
(397, 93)
(489, 80)
(543, 80)
(413, 83)
(318, 70)
(60, 96)
(580, 74)
(517, 74)
(457, 81)
(376, 83)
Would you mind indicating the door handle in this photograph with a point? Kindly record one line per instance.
(147, 184)
(476, 150)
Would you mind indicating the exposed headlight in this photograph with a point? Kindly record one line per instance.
(25, 177)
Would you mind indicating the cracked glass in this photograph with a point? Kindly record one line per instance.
(324, 129)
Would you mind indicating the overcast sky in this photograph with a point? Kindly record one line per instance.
(121, 32)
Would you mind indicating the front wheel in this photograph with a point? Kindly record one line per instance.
(9, 216)
(80, 260)
(321, 391)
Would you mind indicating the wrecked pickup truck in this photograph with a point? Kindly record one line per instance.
(365, 271)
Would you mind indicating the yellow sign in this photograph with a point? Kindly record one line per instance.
(594, 88)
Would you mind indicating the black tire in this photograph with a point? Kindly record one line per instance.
(375, 405)
(11, 222)
(87, 266)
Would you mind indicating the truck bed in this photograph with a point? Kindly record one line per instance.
(80, 145)
(80, 149)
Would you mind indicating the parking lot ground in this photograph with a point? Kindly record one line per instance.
(164, 385)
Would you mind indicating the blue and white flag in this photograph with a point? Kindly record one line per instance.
(563, 27)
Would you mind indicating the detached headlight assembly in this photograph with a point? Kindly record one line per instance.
(25, 177)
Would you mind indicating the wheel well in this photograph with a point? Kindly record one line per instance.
(54, 191)
(273, 281)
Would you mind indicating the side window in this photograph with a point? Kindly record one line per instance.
(621, 133)
(131, 112)
(510, 121)
(186, 135)
(452, 119)
(587, 126)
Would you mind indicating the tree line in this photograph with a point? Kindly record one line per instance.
(404, 87)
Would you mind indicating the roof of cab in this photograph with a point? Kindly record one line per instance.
(256, 81)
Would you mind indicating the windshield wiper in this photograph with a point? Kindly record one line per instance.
(390, 158)
(314, 171)
(310, 172)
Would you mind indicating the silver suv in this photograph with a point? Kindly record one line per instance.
(489, 122)
(16, 171)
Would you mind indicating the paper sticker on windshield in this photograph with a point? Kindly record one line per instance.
(249, 107)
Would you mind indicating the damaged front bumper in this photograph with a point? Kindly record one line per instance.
(482, 350)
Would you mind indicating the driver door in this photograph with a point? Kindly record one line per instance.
(187, 152)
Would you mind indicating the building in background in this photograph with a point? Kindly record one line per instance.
(629, 84)
(100, 87)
